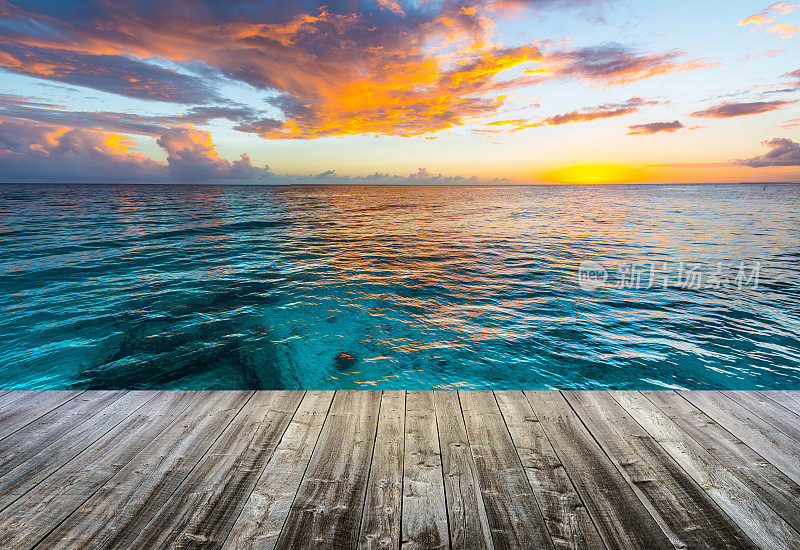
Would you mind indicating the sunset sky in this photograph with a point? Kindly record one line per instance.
(386, 91)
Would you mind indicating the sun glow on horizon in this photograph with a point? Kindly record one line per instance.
(597, 173)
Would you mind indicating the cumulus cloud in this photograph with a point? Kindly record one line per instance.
(191, 155)
(39, 152)
(784, 152)
(732, 109)
(389, 67)
(46, 152)
(655, 127)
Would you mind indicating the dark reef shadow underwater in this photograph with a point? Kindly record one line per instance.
(382, 287)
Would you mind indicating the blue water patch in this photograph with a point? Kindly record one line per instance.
(387, 287)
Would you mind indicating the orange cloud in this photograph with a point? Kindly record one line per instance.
(384, 69)
(769, 15)
(609, 110)
(46, 152)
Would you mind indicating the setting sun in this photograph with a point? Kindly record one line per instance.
(597, 173)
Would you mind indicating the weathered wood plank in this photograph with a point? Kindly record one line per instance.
(32, 516)
(37, 466)
(761, 477)
(45, 430)
(751, 514)
(260, 521)
(567, 519)
(773, 413)
(114, 516)
(30, 407)
(513, 514)
(424, 522)
(619, 515)
(327, 509)
(202, 510)
(778, 448)
(8, 397)
(468, 523)
(685, 512)
(788, 398)
(380, 520)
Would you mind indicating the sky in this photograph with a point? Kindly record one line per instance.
(391, 91)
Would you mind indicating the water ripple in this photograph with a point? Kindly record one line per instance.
(193, 286)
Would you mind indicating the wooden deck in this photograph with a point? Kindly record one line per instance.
(468, 470)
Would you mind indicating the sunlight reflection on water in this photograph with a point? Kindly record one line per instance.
(192, 286)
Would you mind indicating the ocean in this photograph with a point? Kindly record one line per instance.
(400, 287)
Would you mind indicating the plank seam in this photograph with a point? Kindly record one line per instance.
(305, 470)
(48, 411)
(636, 491)
(167, 426)
(767, 503)
(561, 462)
(761, 417)
(266, 463)
(89, 444)
(688, 436)
(199, 460)
(441, 468)
(369, 470)
(522, 466)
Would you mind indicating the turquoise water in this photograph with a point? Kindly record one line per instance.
(195, 286)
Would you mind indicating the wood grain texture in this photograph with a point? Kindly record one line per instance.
(683, 510)
(513, 514)
(32, 468)
(385, 470)
(567, 519)
(203, 509)
(327, 509)
(761, 477)
(759, 435)
(424, 521)
(789, 399)
(260, 521)
(114, 516)
(49, 428)
(755, 517)
(775, 414)
(33, 515)
(30, 407)
(380, 519)
(469, 525)
(621, 518)
(9, 397)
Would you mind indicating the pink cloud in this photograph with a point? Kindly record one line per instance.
(390, 68)
(783, 152)
(655, 127)
(46, 152)
(733, 109)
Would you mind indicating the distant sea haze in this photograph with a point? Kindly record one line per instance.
(413, 287)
